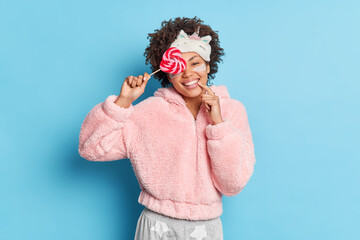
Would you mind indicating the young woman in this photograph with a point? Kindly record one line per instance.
(189, 144)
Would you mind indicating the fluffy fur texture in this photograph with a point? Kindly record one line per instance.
(183, 165)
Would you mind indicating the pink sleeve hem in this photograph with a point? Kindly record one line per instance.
(220, 130)
(116, 112)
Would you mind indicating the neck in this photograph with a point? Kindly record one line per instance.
(193, 103)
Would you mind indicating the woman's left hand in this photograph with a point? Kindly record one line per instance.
(212, 104)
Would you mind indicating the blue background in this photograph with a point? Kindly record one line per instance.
(293, 64)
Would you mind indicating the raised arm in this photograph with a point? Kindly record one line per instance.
(107, 131)
(231, 150)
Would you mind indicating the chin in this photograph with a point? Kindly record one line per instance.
(192, 92)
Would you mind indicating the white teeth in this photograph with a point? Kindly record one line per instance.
(190, 83)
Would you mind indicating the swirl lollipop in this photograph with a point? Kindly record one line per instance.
(172, 62)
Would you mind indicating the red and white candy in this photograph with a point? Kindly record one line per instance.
(172, 61)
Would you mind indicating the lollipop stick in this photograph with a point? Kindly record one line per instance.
(155, 72)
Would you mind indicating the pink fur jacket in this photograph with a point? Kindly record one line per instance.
(183, 165)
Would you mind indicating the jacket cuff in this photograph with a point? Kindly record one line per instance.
(116, 112)
(220, 130)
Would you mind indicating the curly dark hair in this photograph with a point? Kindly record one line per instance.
(162, 38)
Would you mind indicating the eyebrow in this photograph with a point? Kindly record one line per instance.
(192, 58)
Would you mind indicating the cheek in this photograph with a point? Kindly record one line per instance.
(173, 75)
(200, 68)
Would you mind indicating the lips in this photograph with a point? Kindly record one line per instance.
(192, 80)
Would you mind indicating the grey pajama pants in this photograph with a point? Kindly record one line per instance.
(152, 225)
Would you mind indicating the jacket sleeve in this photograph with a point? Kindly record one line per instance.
(106, 131)
(231, 150)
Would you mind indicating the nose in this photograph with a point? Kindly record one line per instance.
(187, 72)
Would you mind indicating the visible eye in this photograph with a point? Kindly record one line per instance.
(195, 63)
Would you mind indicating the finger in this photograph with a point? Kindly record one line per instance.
(130, 80)
(134, 82)
(207, 105)
(139, 80)
(208, 89)
(210, 102)
(146, 76)
(203, 91)
(208, 96)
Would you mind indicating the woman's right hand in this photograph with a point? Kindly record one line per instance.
(133, 87)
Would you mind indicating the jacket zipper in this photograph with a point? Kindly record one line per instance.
(195, 130)
(195, 134)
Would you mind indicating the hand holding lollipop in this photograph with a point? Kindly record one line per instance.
(172, 62)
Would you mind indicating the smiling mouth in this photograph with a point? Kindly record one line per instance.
(191, 83)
